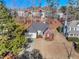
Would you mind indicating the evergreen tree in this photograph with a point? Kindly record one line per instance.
(11, 38)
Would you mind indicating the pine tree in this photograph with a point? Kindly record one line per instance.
(11, 38)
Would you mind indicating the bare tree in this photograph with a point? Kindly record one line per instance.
(69, 52)
(53, 3)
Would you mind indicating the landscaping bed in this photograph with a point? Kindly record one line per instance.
(77, 49)
(60, 29)
(74, 39)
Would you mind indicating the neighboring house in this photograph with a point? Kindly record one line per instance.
(37, 29)
(42, 14)
(20, 13)
(73, 28)
(48, 14)
(60, 14)
(63, 16)
(35, 14)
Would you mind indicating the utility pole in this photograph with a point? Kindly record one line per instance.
(65, 23)
(66, 20)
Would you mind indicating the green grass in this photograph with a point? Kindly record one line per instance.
(75, 39)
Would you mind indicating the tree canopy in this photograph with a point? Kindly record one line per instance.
(11, 38)
(53, 3)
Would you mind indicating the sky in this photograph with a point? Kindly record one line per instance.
(29, 3)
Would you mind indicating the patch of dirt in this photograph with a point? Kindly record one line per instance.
(59, 48)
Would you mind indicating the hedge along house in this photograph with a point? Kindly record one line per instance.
(73, 28)
(37, 30)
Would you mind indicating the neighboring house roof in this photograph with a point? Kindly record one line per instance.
(38, 27)
(73, 25)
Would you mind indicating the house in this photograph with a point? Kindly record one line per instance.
(21, 13)
(63, 16)
(37, 29)
(48, 14)
(60, 15)
(73, 28)
(42, 14)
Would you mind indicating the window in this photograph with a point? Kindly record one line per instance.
(71, 35)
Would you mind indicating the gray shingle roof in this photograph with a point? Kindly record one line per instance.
(38, 26)
(73, 23)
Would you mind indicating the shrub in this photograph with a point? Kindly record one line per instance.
(74, 39)
(60, 29)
